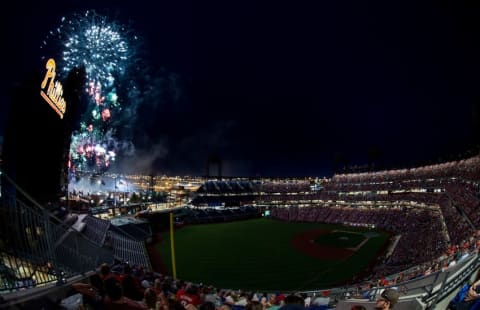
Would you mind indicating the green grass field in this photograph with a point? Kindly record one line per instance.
(257, 255)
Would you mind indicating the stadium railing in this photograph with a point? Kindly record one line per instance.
(424, 292)
(36, 247)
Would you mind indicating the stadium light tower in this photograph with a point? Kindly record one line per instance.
(124, 184)
(115, 196)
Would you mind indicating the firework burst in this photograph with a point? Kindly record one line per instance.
(107, 50)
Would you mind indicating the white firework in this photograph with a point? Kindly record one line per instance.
(98, 44)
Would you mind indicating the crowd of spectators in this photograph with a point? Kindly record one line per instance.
(121, 286)
(465, 169)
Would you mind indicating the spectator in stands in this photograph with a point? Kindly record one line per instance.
(263, 298)
(208, 305)
(293, 302)
(229, 299)
(307, 300)
(472, 297)
(150, 299)
(189, 296)
(224, 307)
(273, 303)
(476, 285)
(115, 299)
(242, 300)
(157, 286)
(93, 293)
(168, 286)
(50, 269)
(174, 304)
(387, 299)
(104, 271)
(129, 285)
(214, 295)
(368, 294)
(254, 305)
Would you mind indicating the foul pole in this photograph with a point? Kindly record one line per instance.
(172, 247)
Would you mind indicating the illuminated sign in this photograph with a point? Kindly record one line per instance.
(54, 91)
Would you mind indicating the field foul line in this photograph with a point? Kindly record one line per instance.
(357, 233)
(360, 245)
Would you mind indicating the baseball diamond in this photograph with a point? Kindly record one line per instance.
(270, 254)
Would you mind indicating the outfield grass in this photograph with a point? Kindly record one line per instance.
(257, 255)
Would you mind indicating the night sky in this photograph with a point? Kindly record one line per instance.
(286, 88)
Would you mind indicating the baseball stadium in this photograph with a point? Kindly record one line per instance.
(333, 243)
(76, 234)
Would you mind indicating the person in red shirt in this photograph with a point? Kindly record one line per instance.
(189, 296)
